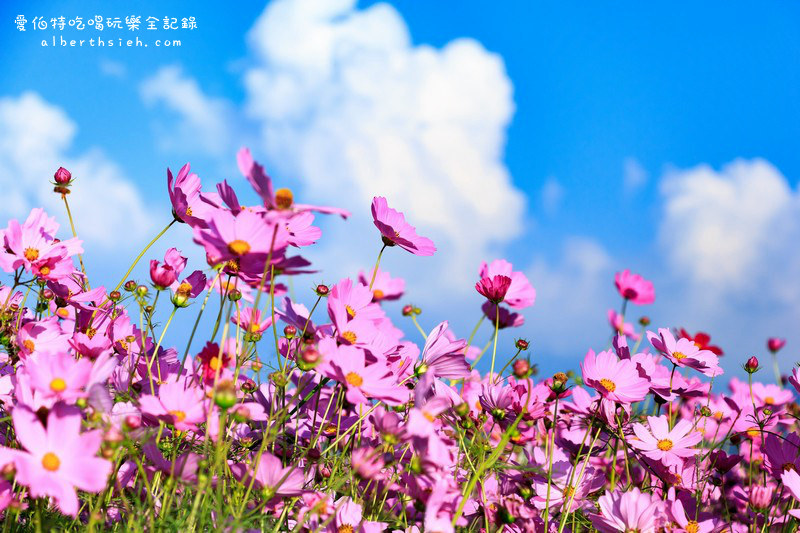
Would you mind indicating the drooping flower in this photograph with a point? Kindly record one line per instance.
(443, 357)
(58, 459)
(635, 288)
(507, 319)
(165, 275)
(186, 197)
(520, 293)
(395, 231)
(685, 353)
(774, 344)
(616, 379)
(659, 443)
(620, 326)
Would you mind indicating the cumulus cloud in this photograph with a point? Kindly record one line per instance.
(200, 121)
(35, 139)
(352, 109)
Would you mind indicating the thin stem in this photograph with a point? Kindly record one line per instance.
(75, 234)
(777, 370)
(375, 270)
(550, 468)
(496, 329)
(141, 254)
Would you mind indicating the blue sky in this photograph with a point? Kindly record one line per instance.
(613, 111)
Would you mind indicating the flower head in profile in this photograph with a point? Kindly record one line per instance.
(507, 319)
(165, 275)
(495, 288)
(669, 446)
(186, 197)
(774, 344)
(628, 511)
(443, 357)
(520, 293)
(615, 379)
(634, 288)
(385, 287)
(685, 353)
(187, 288)
(395, 231)
(58, 459)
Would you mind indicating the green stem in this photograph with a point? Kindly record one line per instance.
(496, 329)
(75, 234)
(375, 270)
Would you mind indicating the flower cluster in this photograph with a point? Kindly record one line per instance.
(324, 416)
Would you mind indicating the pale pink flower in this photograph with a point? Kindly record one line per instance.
(615, 379)
(628, 511)
(669, 446)
(396, 231)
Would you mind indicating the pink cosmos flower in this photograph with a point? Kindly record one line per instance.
(58, 459)
(568, 485)
(628, 511)
(396, 231)
(781, 455)
(634, 288)
(507, 319)
(665, 445)
(687, 523)
(520, 293)
(495, 288)
(276, 200)
(249, 319)
(34, 247)
(232, 237)
(177, 403)
(685, 353)
(165, 275)
(620, 326)
(59, 376)
(791, 480)
(42, 336)
(189, 287)
(363, 381)
(617, 380)
(385, 287)
(187, 203)
(774, 344)
(443, 357)
(276, 480)
(367, 462)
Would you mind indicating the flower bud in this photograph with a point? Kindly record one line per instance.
(225, 397)
(408, 310)
(241, 413)
(289, 332)
(130, 285)
(114, 296)
(751, 366)
(256, 366)
(705, 411)
(644, 321)
(774, 344)
(522, 344)
(141, 291)
(8, 471)
(62, 176)
(760, 497)
(308, 359)
(235, 295)
(462, 409)
(133, 422)
(112, 436)
(279, 379)
(521, 368)
(248, 385)
(322, 290)
(47, 294)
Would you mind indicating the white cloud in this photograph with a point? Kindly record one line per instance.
(35, 139)
(203, 122)
(352, 109)
(113, 69)
(634, 175)
(729, 230)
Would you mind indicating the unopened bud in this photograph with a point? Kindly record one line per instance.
(8, 471)
(705, 411)
(47, 294)
(225, 397)
(241, 413)
(112, 436)
(522, 344)
(114, 296)
(248, 385)
(62, 176)
(462, 409)
(289, 332)
(408, 310)
(141, 291)
(521, 368)
(235, 295)
(133, 422)
(130, 285)
(644, 321)
(322, 290)
(256, 366)
(751, 366)
(279, 379)
(308, 359)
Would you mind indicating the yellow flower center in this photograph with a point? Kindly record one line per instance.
(679, 355)
(255, 327)
(350, 311)
(377, 294)
(63, 312)
(214, 363)
(789, 466)
(238, 247)
(769, 400)
(354, 379)
(51, 462)
(428, 416)
(718, 415)
(58, 385)
(31, 254)
(29, 345)
(189, 211)
(284, 198)
(345, 528)
(609, 385)
(568, 491)
(233, 266)
(44, 271)
(665, 445)
(184, 289)
(692, 527)
(350, 337)
(180, 416)
(91, 332)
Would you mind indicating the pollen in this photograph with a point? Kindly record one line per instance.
(29, 345)
(51, 462)
(58, 385)
(255, 327)
(31, 254)
(769, 400)
(350, 337)
(189, 211)
(377, 294)
(354, 379)
(63, 312)
(91, 332)
(350, 311)
(238, 247)
(345, 528)
(568, 491)
(609, 385)
(665, 445)
(788, 466)
(679, 355)
(44, 271)
(692, 526)
(284, 198)
(179, 416)
(184, 289)
(428, 416)
(213, 363)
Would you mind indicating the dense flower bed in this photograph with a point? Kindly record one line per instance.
(327, 418)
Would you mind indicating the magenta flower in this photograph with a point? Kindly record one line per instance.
(249, 319)
(507, 319)
(635, 288)
(442, 356)
(348, 366)
(42, 336)
(615, 379)
(34, 247)
(189, 287)
(494, 288)
(367, 462)
(774, 344)
(628, 511)
(662, 444)
(234, 237)
(685, 353)
(396, 231)
(185, 195)
(620, 326)
(385, 287)
(165, 275)
(791, 480)
(276, 480)
(58, 459)
(520, 293)
(177, 403)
